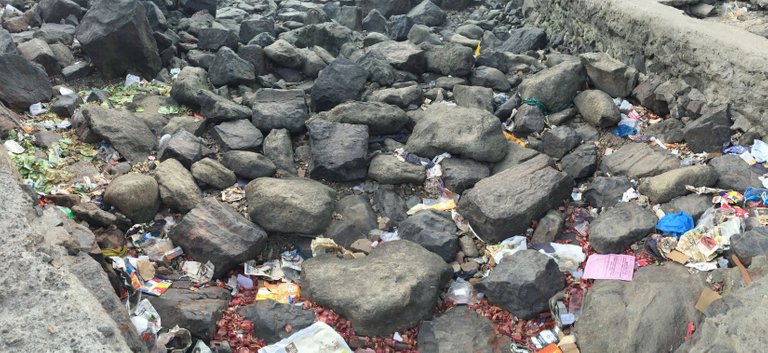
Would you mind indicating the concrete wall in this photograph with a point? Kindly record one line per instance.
(727, 64)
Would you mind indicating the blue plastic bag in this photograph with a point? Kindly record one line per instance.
(675, 224)
(624, 130)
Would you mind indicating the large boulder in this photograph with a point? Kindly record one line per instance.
(556, 86)
(215, 232)
(395, 287)
(709, 132)
(128, 134)
(434, 232)
(460, 329)
(279, 109)
(734, 174)
(620, 226)
(197, 311)
(339, 150)
(230, 69)
(381, 118)
(650, 314)
(135, 195)
(667, 186)
(637, 160)
(272, 319)
(178, 189)
(341, 81)
(597, 108)
(24, 83)
(523, 283)
(469, 133)
(117, 37)
(609, 75)
(290, 205)
(496, 207)
(523, 39)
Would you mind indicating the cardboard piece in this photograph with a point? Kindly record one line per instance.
(707, 297)
(678, 257)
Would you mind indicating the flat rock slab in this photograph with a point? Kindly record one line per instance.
(215, 232)
(395, 287)
(271, 319)
(460, 329)
(290, 205)
(665, 187)
(128, 134)
(497, 208)
(637, 160)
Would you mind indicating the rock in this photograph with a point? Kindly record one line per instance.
(290, 205)
(7, 46)
(606, 191)
(401, 55)
(637, 160)
(381, 118)
(254, 54)
(53, 11)
(215, 38)
(198, 311)
(692, 204)
(523, 283)
(210, 172)
(389, 204)
(432, 231)
(182, 146)
(76, 71)
(468, 133)
(283, 54)
(215, 232)
(271, 319)
(618, 227)
(252, 27)
(490, 77)
(387, 169)
(709, 132)
(190, 123)
(38, 51)
(409, 96)
(30, 83)
(420, 34)
(237, 135)
(66, 105)
(558, 141)
(375, 22)
(427, 13)
(331, 36)
(516, 154)
(581, 163)
(94, 215)
(134, 195)
(279, 149)
(400, 26)
(548, 228)
(524, 39)
(387, 298)
(216, 108)
(529, 119)
(555, 86)
(341, 81)
(669, 131)
(230, 69)
(460, 329)
(597, 108)
(127, 134)
(357, 220)
(118, 39)
(734, 174)
(193, 6)
(339, 150)
(750, 244)
(178, 190)
(665, 187)
(496, 208)
(248, 165)
(610, 75)
(190, 82)
(46, 138)
(473, 97)
(615, 314)
(450, 59)
(386, 7)
(351, 17)
(280, 109)
(462, 174)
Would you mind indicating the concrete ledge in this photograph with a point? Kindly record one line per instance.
(726, 63)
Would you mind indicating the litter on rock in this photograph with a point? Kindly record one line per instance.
(317, 338)
(675, 224)
(612, 266)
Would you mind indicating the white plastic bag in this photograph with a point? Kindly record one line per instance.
(760, 151)
(317, 338)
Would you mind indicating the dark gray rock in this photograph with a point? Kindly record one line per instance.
(750, 244)
(54, 11)
(524, 39)
(290, 205)
(496, 208)
(556, 86)
(198, 311)
(450, 59)
(375, 22)
(188, 85)
(516, 154)
(66, 105)
(402, 55)
(420, 34)
(597, 108)
(29, 82)
(734, 174)
(127, 134)
(250, 28)
(523, 283)
(473, 97)
(230, 69)
(237, 135)
(76, 71)
(558, 141)
(400, 26)
(339, 150)
(581, 163)
(248, 165)
(432, 231)
(38, 51)
(709, 132)
(490, 77)
(548, 228)
(665, 187)
(529, 119)
(606, 191)
(406, 97)
(387, 298)
(216, 108)
(341, 81)
(215, 38)
(182, 146)
(284, 54)
(280, 109)
(386, 7)
(637, 160)
(389, 204)
(462, 174)
(215, 232)
(117, 37)
(620, 226)
(7, 46)
(254, 54)
(357, 220)
(270, 319)
(210, 172)
(135, 195)
(469, 133)
(460, 329)
(93, 215)
(387, 169)
(381, 118)
(610, 75)
(178, 189)
(669, 131)
(185, 122)
(693, 204)
(279, 149)
(427, 13)
(331, 36)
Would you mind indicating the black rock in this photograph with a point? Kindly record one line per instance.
(606, 191)
(248, 165)
(462, 174)
(24, 83)
(524, 39)
(182, 146)
(215, 38)
(432, 231)
(237, 135)
(709, 132)
(280, 109)
(230, 69)
(341, 81)
(620, 226)
(271, 318)
(339, 151)
(558, 141)
(582, 162)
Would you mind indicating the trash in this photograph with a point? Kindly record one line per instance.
(707, 297)
(321, 246)
(507, 248)
(703, 266)
(169, 110)
(546, 339)
(145, 267)
(576, 195)
(689, 331)
(675, 224)
(199, 272)
(155, 287)
(270, 270)
(762, 215)
(157, 248)
(412, 158)
(697, 246)
(290, 264)
(131, 80)
(176, 340)
(624, 130)
(678, 257)
(462, 292)
(747, 157)
(286, 293)
(317, 338)
(244, 282)
(440, 205)
(612, 266)
(13, 147)
(64, 124)
(551, 348)
(201, 347)
(701, 190)
(629, 195)
(568, 256)
(513, 138)
(66, 211)
(389, 236)
(760, 151)
(37, 109)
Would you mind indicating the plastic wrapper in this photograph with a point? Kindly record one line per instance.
(317, 338)
(568, 257)
(197, 271)
(462, 292)
(507, 247)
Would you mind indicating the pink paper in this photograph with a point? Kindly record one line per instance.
(620, 267)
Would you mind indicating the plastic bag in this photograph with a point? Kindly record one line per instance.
(462, 292)
(317, 338)
(760, 151)
(568, 256)
(508, 247)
